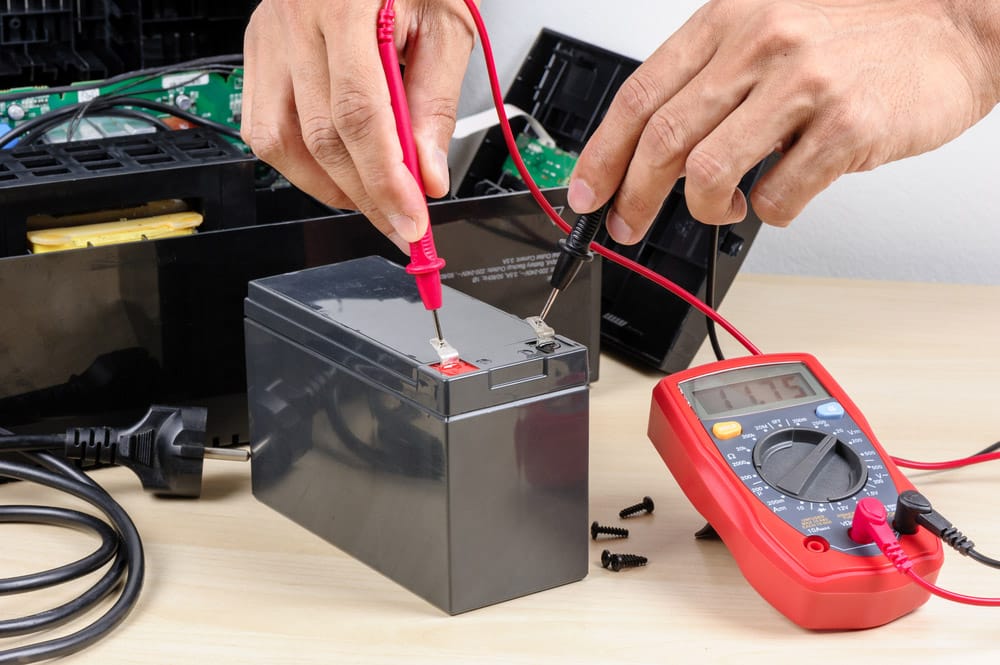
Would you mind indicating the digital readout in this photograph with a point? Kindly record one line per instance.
(763, 391)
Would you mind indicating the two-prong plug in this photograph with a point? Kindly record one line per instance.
(166, 449)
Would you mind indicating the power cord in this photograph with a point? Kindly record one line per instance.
(164, 449)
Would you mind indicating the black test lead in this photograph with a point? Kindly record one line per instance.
(574, 252)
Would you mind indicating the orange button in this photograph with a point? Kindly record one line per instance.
(727, 429)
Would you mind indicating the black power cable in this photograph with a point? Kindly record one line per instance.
(63, 476)
(165, 450)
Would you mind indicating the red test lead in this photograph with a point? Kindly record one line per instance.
(425, 265)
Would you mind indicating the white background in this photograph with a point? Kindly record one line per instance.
(927, 218)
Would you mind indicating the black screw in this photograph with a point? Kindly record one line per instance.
(618, 561)
(596, 529)
(647, 505)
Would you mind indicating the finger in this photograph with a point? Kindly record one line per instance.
(348, 124)
(717, 164)
(605, 158)
(249, 72)
(435, 66)
(667, 139)
(271, 129)
(811, 165)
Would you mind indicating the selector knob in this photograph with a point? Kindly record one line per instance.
(810, 465)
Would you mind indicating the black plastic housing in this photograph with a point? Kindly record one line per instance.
(568, 85)
(55, 42)
(96, 335)
(209, 173)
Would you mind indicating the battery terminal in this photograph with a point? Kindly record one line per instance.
(544, 333)
(446, 352)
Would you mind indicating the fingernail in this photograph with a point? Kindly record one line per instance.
(405, 226)
(619, 230)
(581, 197)
(738, 207)
(441, 167)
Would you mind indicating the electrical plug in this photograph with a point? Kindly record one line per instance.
(914, 510)
(165, 449)
(870, 524)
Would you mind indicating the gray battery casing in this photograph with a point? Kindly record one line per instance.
(468, 489)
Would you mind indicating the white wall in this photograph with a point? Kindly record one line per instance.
(935, 217)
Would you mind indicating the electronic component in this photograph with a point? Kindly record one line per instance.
(206, 92)
(773, 453)
(171, 225)
(212, 176)
(426, 473)
(548, 165)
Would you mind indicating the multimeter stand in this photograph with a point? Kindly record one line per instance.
(772, 452)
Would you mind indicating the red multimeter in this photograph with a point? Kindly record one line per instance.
(772, 452)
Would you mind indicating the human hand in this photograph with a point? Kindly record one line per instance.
(836, 86)
(316, 106)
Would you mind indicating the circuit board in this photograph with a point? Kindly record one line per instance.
(548, 165)
(211, 95)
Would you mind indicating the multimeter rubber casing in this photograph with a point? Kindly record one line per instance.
(775, 456)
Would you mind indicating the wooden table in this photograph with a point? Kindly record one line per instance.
(230, 581)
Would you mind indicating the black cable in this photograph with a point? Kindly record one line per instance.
(174, 111)
(61, 475)
(104, 112)
(713, 263)
(84, 107)
(42, 122)
(983, 559)
(988, 449)
(54, 117)
(31, 442)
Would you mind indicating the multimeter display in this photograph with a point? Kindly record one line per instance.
(752, 388)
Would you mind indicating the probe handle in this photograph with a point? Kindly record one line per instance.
(425, 265)
(575, 249)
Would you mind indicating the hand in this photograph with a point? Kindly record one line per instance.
(836, 86)
(316, 106)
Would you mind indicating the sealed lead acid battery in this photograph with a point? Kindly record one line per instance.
(466, 485)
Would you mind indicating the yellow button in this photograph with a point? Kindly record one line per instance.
(727, 429)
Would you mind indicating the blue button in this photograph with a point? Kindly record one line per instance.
(830, 410)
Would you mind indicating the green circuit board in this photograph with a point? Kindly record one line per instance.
(212, 95)
(548, 165)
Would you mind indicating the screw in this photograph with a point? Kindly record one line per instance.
(647, 505)
(596, 529)
(618, 561)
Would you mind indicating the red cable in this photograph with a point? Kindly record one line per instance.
(508, 136)
(947, 464)
(871, 524)
(951, 595)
